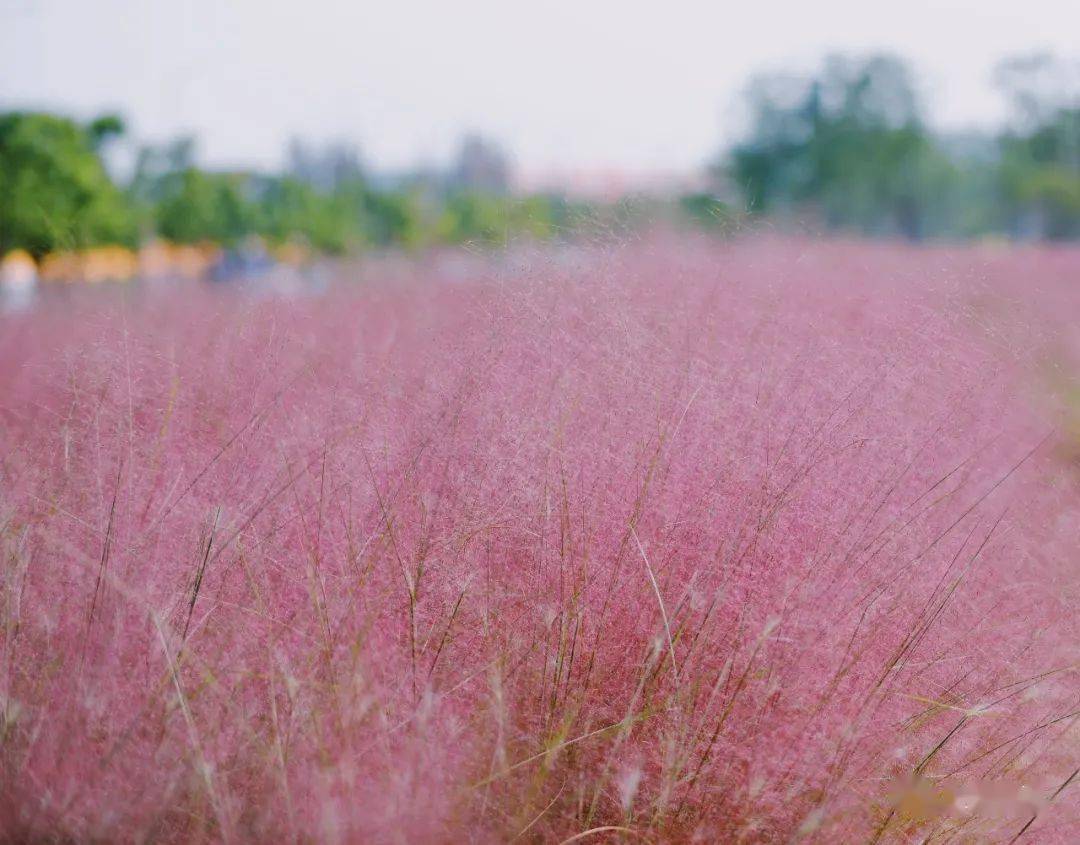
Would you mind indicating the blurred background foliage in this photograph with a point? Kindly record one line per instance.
(846, 148)
(849, 146)
(58, 195)
(55, 192)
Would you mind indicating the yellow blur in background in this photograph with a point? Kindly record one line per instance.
(156, 260)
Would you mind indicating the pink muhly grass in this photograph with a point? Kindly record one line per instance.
(680, 543)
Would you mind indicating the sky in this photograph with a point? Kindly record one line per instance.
(564, 85)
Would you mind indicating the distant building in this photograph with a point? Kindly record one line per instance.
(326, 169)
(480, 166)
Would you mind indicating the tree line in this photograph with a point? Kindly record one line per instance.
(58, 195)
(848, 147)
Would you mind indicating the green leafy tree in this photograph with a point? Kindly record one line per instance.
(390, 217)
(292, 210)
(104, 128)
(1040, 151)
(848, 144)
(201, 206)
(473, 217)
(55, 193)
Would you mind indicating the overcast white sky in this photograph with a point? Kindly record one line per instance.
(563, 84)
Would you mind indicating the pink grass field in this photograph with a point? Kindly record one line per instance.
(764, 541)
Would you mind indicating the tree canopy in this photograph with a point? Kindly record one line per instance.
(56, 191)
(848, 145)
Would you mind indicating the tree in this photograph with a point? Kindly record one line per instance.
(390, 217)
(104, 128)
(54, 190)
(201, 206)
(848, 144)
(1040, 149)
(290, 209)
